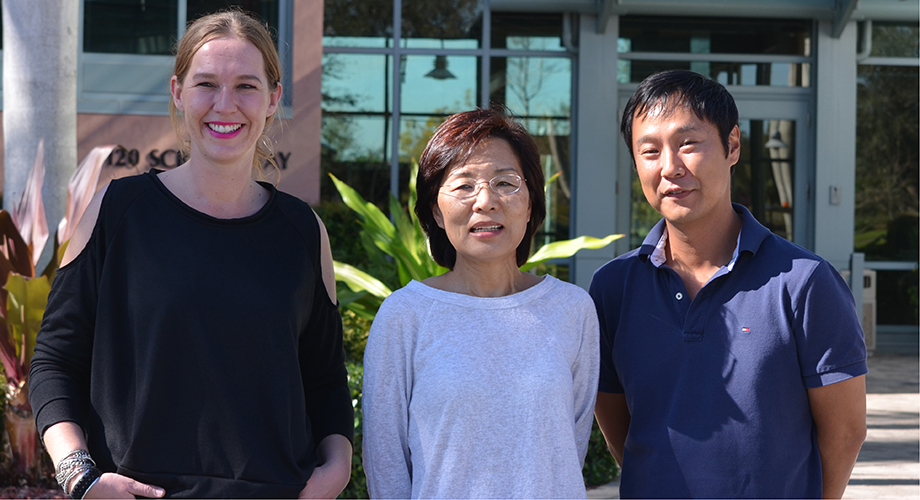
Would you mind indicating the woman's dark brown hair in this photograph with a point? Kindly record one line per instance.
(452, 144)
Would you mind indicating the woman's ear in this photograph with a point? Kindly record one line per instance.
(175, 88)
(273, 99)
(438, 217)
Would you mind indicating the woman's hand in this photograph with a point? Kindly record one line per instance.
(331, 476)
(117, 486)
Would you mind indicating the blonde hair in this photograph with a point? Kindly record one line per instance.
(229, 23)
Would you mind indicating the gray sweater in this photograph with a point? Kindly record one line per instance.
(469, 397)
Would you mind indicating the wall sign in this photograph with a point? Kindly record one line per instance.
(168, 158)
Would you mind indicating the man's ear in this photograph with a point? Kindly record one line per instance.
(734, 145)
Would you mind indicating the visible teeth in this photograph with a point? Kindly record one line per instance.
(224, 129)
(486, 228)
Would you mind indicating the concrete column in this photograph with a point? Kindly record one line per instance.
(835, 144)
(40, 99)
(596, 189)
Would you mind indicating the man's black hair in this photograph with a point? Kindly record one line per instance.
(665, 91)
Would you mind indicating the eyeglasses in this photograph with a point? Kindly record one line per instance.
(465, 189)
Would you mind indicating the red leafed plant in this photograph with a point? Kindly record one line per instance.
(23, 297)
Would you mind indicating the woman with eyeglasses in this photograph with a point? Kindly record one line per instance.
(480, 382)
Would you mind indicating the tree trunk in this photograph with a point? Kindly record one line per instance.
(40, 100)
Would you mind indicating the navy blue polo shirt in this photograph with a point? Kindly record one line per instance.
(716, 387)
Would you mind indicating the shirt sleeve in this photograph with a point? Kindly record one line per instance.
(322, 365)
(585, 378)
(59, 378)
(385, 403)
(830, 339)
(605, 306)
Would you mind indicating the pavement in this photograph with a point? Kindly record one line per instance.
(889, 462)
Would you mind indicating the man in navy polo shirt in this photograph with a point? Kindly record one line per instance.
(732, 361)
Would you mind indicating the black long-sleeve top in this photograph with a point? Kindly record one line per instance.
(198, 354)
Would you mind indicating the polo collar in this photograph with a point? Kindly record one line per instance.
(752, 234)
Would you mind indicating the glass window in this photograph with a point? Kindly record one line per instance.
(150, 27)
(726, 73)
(347, 23)
(533, 86)
(887, 179)
(129, 26)
(894, 39)
(527, 31)
(739, 37)
(716, 36)
(354, 149)
(763, 177)
(267, 10)
(442, 24)
(356, 82)
(358, 116)
(356, 124)
(887, 163)
(538, 90)
(440, 85)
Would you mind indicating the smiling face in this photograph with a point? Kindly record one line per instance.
(682, 164)
(487, 226)
(225, 99)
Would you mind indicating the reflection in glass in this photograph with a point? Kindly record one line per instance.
(355, 82)
(354, 150)
(763, 178)
(533, 86)
(129, 26)
(527, 31)
(887, 163)
(726, 73)
(452, 24)
(538, 91)
(347, 23)
(717, 36)
(425, 94)
(266, 10)
(894, 39)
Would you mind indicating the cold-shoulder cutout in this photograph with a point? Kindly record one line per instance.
(84, 229)
(325, 251)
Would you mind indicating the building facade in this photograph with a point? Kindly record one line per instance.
(827, 91)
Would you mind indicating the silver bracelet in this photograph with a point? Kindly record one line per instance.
(73, 464)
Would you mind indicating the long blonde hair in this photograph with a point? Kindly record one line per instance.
(229, 23)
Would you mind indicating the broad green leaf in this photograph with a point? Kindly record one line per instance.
(357, 280)
(25, 307)
(413, 193)
(567, 248)
(362, 303)
(371, 216)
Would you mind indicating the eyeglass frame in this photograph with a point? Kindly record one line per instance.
(478, 187)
